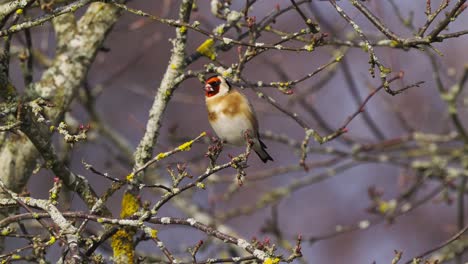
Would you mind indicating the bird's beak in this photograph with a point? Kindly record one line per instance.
(208, 88)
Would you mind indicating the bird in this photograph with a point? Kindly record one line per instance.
(231, 115)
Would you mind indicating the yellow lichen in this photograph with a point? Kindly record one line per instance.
(154, 233)
(130, 177)
(51, 241)
(122, 245)
(383, 207)
(226, 73)
(386, 207)
(220, 30)
(339, 58)
(122, 241)
(130, 205)
(365, 48)
(207, 49)
(6, 231)
(186, 146)
(161, 156)
(183, 29)
(385, 70)
(271, 261)
(19, 11)
(394, 43)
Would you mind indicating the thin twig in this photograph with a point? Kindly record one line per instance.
(312, 26)
(441, 245)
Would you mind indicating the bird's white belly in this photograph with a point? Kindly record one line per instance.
(232, 128)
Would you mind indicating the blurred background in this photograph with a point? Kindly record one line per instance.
(127, 74)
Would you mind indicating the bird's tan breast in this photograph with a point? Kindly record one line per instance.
(230, 105)
(230, 116)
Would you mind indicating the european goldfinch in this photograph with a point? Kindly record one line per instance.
(231, 115)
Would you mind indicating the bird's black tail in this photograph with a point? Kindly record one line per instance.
(261, 152)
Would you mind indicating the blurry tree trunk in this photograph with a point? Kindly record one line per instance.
(78, 43)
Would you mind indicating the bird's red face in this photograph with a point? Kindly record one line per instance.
(212, 85)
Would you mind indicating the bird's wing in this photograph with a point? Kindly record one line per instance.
(247, 110)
